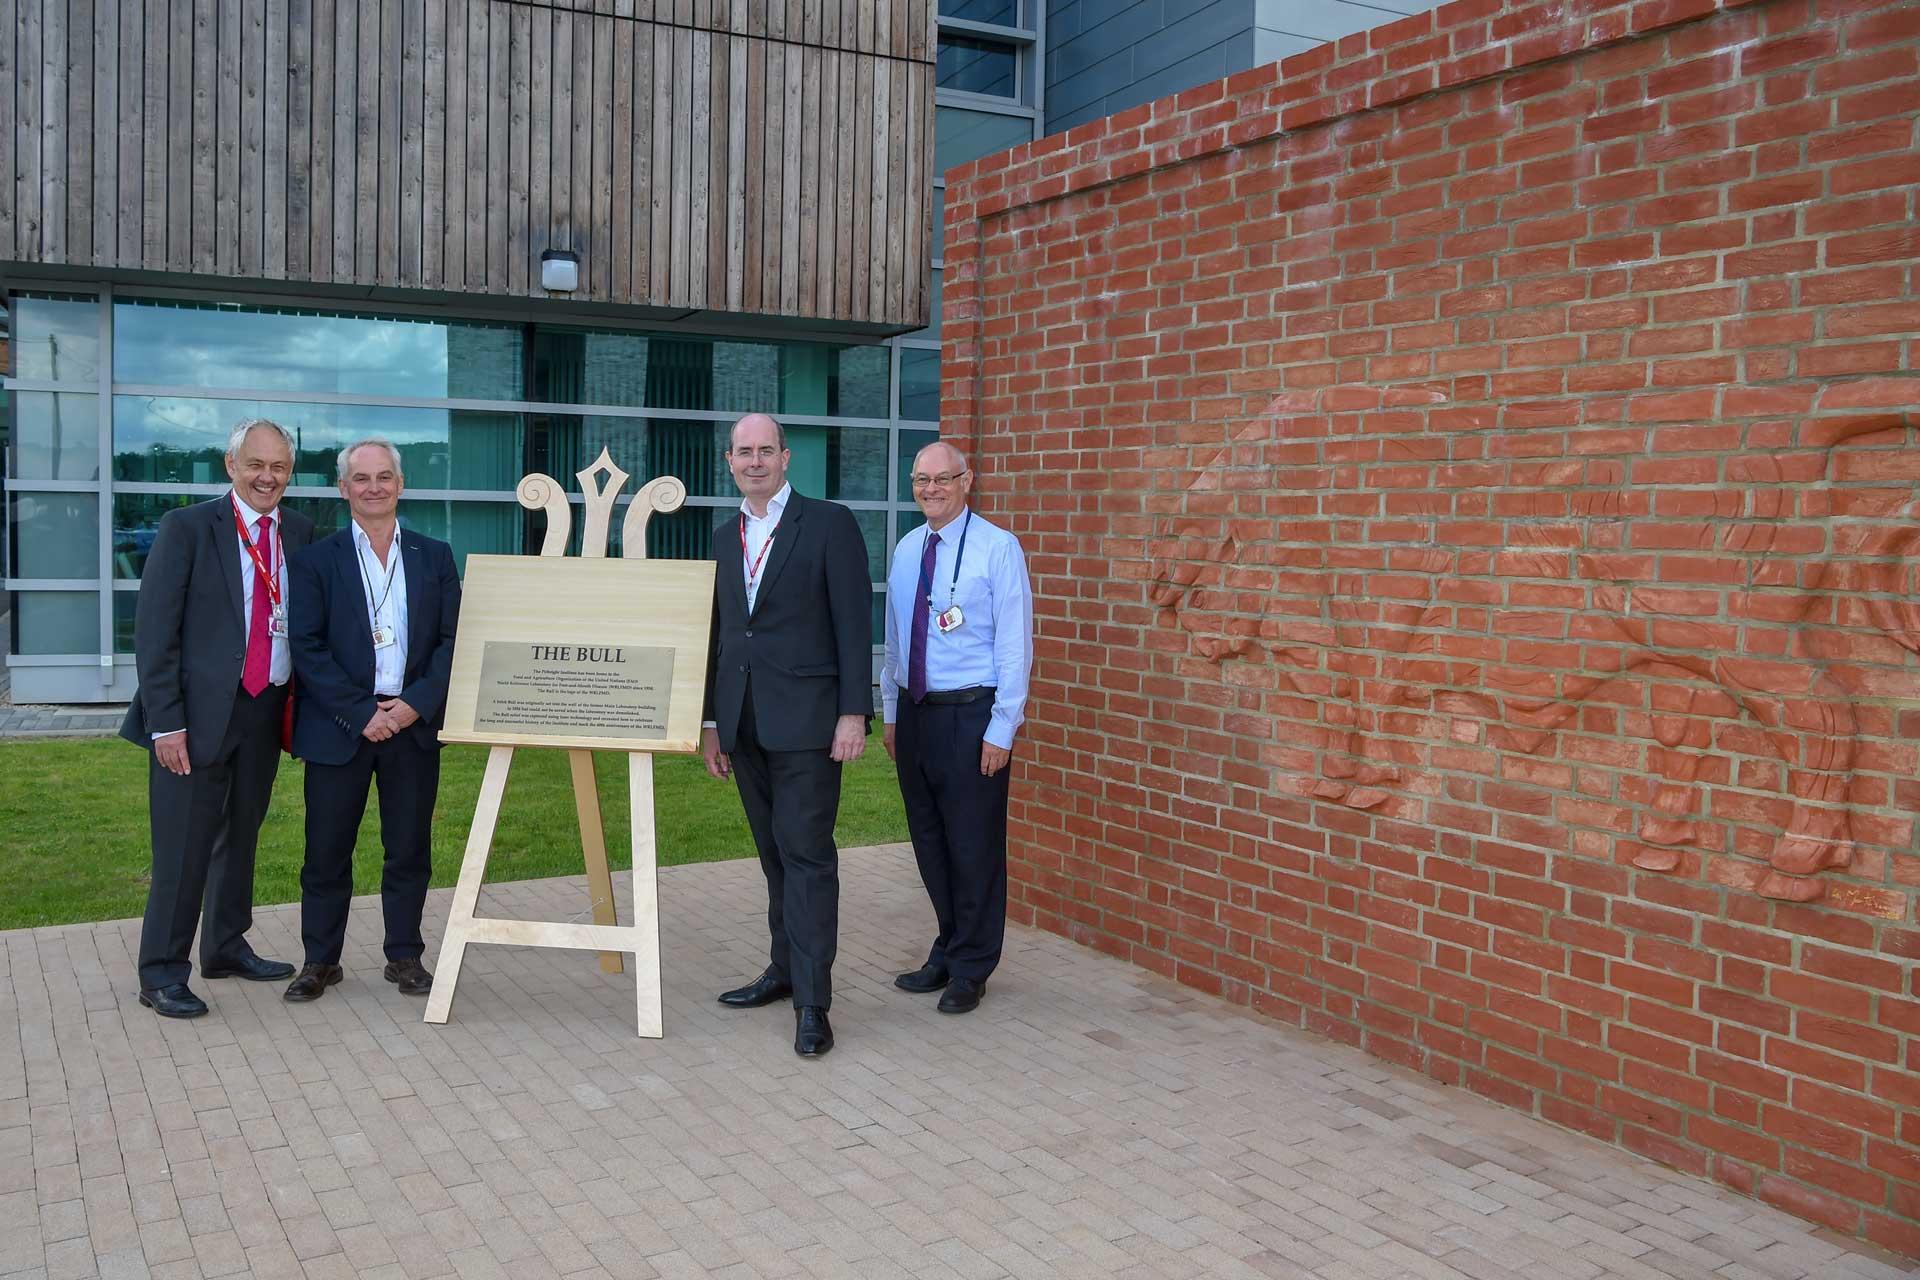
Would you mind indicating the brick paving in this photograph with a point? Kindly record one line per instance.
(1089, 1120)
(52, 721)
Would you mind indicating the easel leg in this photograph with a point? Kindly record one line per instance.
(646, 895)
(593, 844)
(466, 894)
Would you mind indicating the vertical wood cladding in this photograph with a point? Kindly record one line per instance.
(734, 155)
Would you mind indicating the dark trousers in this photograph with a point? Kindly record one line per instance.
(409, 775)
(791, 799)
(958, 821)
(206, 825)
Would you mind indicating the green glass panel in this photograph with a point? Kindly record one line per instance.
(161, 439)
(473, 528)
(136, 519)
(125, 603)
(283, 349)
(55, 535)
(1004, 12)
(880, 618)
(960, 135)
(919, 385)
(971, 64)
(911, 442)
(873, 532)
(55, 622)
(857, 463)
(57, 339)
(656, 371)
(56, 435)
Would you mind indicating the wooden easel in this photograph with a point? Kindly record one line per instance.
(601, 483)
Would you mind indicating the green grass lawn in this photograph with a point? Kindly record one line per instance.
(74, 846)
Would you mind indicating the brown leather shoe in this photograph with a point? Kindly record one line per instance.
(410, 976)
(313, 982)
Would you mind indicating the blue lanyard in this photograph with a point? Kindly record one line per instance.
(954, 585)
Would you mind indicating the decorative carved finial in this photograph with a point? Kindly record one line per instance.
(602, 483)
(538, 491)
(662, 494)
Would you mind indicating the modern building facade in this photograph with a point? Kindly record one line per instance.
(337, 214)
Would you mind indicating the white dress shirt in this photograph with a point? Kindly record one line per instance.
(386, 607)
(759, 529)
(280, 670)
(993, 645)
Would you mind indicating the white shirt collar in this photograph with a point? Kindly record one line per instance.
(775, 505)
(361, 540)
(248, 514)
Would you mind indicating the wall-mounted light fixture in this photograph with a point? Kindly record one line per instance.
(559, 271)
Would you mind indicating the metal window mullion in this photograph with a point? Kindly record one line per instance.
(987, 30)
(105, 513)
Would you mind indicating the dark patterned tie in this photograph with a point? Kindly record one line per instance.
(922, 607)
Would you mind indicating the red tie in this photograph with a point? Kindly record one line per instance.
(259, 669)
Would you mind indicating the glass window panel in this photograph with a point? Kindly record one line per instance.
(939, 224)
(686, 534)
(919, 385)
(960, 135)
(473, 528)
(911, 442)
(974, 65)
(56, 435)
(124, 605)
(164, 439)
(56, 535)
(694, 450)
(879, 618)
(136, 519)
(57, 339)
(200, 345)
(654, 371)
(873, 531)
(1004, 12)
(907, 521)
(847, 463)
(50, 622)
(860, 387)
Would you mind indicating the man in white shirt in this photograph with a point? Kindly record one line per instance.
(210, 646)
(372, 633)
(954, 693)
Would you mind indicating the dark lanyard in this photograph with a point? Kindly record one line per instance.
(959, 552)
(392, 565)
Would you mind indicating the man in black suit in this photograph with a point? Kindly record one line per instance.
(210, 646)
(789, 697)
(373, 619)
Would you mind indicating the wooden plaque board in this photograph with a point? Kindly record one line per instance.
(582, 653)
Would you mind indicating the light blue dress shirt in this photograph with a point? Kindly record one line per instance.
(994, 646)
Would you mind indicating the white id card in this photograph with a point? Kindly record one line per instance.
(949, 620)
(277, 621)
(383, 637)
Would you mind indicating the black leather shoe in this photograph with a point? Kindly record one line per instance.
(962, 996)
(173, 1001)
(313, 982)
(928, 977)
(410, 976)
(812, 1033)
(249, 966)
(764, 989)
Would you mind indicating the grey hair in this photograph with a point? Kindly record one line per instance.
(246, 426)
(346, 457)
(779, 432)
(950, 447)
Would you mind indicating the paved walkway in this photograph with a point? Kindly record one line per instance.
(1089, 1120)
(51, 721)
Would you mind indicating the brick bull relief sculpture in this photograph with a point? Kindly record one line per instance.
(1667, 647)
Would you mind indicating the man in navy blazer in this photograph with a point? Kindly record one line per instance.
(372, 635)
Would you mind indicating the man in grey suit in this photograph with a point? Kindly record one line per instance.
(210, 646)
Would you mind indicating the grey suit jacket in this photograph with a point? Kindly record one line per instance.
(189, 635)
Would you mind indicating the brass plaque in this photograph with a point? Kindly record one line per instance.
(539, 688)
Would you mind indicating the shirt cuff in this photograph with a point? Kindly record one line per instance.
(168, 734)
(999, 735)
(709, 724)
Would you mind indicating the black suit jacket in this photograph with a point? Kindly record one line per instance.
(189, 628)
(332, 644)
(808, 645)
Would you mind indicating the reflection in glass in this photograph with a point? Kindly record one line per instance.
(654, 371)
(47, 622)
(919, 387)
(473, 528)
(973, 65)
(873, 531)
(136, 519)
(55, 535)
(960, 135)
(56, 338)
(216, 345)
(911, 442)
(879, 617)
(838, 462)
(173, 440)
(56, 435)
(125, 603)
(1004, 12)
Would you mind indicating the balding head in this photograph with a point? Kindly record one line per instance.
(758, 421)
(942, 482)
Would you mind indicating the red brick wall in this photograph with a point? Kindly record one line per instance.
(1471, 475)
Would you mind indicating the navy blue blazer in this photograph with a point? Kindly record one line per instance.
(332, 644)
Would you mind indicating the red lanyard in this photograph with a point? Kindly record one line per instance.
(253, 553)
(753, 574)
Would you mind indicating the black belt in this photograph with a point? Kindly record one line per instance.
(958, 697)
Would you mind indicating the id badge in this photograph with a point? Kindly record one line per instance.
(277, 621)
(949, 619)
(383, 637)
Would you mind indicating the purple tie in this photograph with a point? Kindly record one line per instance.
(922, 606)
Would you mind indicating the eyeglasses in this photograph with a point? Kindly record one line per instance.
(764, 452)
(940, 481)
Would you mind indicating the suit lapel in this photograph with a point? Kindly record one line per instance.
(229, 554)
(785, 534)
(413, 564)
